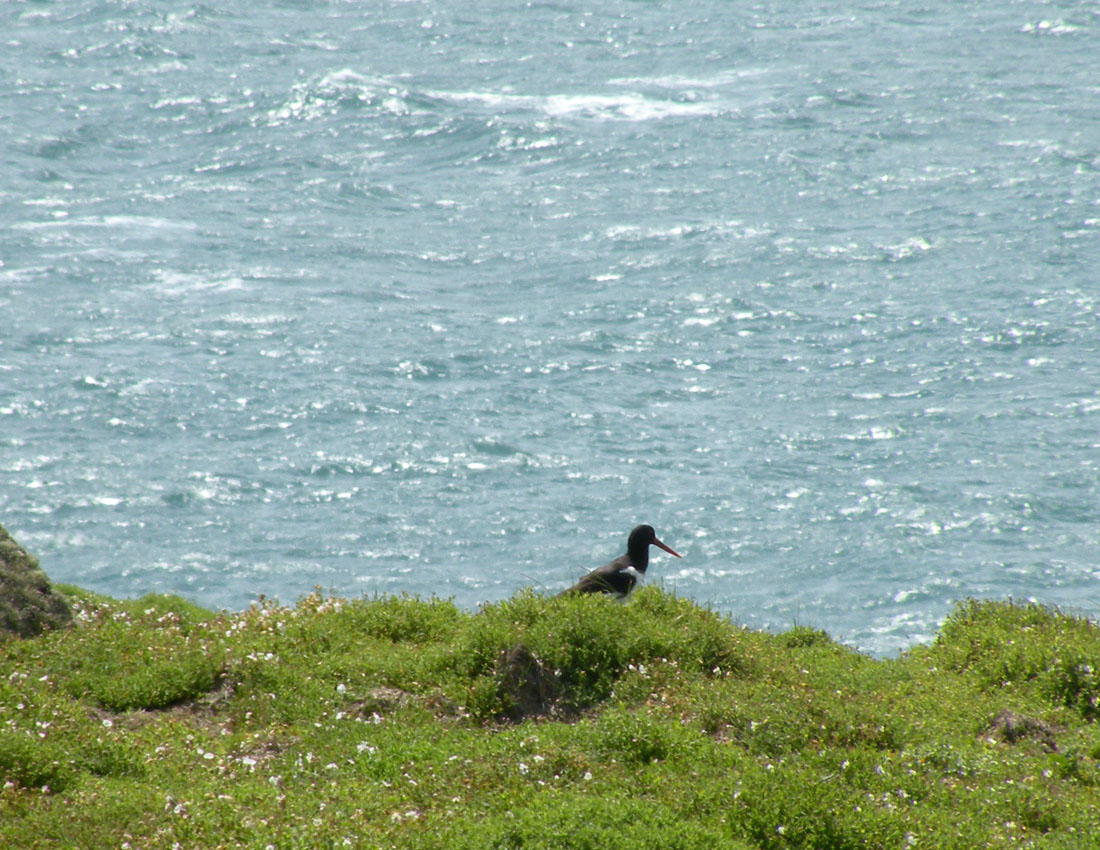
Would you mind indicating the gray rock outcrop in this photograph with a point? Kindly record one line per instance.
(28, 605)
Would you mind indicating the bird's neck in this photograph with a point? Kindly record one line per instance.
(639, 557)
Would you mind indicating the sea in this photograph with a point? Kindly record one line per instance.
(442, 298)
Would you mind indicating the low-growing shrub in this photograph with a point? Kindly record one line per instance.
(577, 821)
(123, 669)
(1002, 642)
(638, 737)
(27, 763)
(586, 643)
(398, 619)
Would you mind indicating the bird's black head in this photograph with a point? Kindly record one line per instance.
(637, 546)
(642, 535)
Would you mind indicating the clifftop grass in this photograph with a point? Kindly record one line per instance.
(542, 723)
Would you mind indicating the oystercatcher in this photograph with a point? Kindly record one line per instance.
(619, 577)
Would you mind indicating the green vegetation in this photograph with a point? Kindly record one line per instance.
(542, 723)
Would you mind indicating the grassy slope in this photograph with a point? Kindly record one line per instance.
(377, 723)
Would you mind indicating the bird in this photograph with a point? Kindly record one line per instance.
(619, 577)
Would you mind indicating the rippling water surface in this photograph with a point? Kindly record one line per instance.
(446, 297)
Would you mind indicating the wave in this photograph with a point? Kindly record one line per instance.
(348, 88)
(630, 106)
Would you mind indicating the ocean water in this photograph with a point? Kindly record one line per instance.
(445, 297)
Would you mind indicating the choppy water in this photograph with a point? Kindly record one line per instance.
(446, 297)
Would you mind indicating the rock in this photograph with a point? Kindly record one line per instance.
(1011, 727)
(382, 701)
(28, 605)
(529, 688)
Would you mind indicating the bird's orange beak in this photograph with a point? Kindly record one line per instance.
(668, 549)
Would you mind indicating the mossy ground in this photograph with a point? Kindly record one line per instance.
(383, 723)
